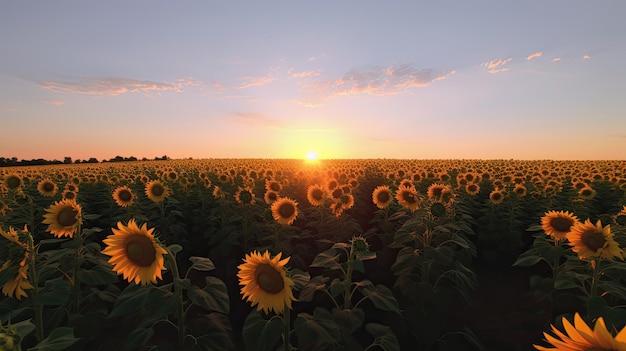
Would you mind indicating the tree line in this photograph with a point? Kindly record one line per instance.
(13, 161)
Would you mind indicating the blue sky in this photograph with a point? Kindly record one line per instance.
(347, 79)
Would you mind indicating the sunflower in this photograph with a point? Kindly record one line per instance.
(434, 191)
(315, 194)
(134, 253)
(270, 196)
(123, 196)
(218, 193)
(273, 185)
(69, 195)
(620, 218)
(265, 282)
(472, 189)
(13, 181)
(558, 224)
(285, 210)
(47, 188)
(347, 201)
(407, 198)
(592, 241)
(336, 208)
(580, 337)
(245, 196)
(519, 190)
(496, 197)
(382, 196)
(63, 218)
(13, 253)
(156, 191)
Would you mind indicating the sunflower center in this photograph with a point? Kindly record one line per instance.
(272, 196)
(157, 190)
(48, 187)
(561, 224)
(13, 182)
(409, 197)
(125, 195)
(286, 210)
(593, 240)
(140, 250)
(274, 186)
(269, 279)
(317, 194)
(383, 196)
(67, 216)
(245, 197)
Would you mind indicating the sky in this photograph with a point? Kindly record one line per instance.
(484, 79)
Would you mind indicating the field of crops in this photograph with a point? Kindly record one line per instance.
(253, 254)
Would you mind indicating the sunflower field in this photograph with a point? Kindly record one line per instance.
(268, 254)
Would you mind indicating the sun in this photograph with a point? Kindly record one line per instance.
(311, 156)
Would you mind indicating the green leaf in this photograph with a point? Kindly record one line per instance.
(316, 283)
(357, 265)
(23, 328)
(300, 278)
(382, 298)
(174, 249)
(527, 260)
(350, 319)
(214, 296)
(97, 275)
(261, 334)
(59, 339)
(55, 292)
(131, 300)
(318, 331)
(383, 336)
(138, 338)
(365, 255)
(327, 259)
(201, 263)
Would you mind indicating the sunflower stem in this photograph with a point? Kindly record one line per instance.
(594, 279)
(178, 295)
(347, 303)
(287, 327)
(37, 306)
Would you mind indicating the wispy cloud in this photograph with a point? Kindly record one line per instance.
(532, 56)
(303, 74)
(586, 57)
(255, 81)
(254, 119)
(55, 103)
(497, 65)
(556, 59)
(377, 81)
(111, 86)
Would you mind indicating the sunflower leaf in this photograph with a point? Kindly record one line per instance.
(382, 298)
(261, 334)
(318, 331)
(59, 339)
(214, 296)
(201, 263)
(384, 336)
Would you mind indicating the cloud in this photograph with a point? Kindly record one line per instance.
(110, 86)
(255, 81)
(532, 56)
(55, 103)
(556, 59)
(586, 57)
(377, 81)
(497, 65)
(254, 119)
(303, 74)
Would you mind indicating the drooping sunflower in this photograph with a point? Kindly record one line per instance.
(47, 188)
(285, 210)
(434, 191)
(134, 253)
(558, 224)
(14, 268)
(382, 196)
(245, 196)
(63, 218)
(593, 241)
(156, 191)
(123, 196)
(407, 198)
(265, 282)
(316, 194)
(580, 337)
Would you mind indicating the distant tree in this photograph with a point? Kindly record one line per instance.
(92, 160)
(67, 159)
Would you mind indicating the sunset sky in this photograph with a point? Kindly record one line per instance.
(487, 79)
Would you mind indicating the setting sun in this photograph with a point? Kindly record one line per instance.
(311, 156)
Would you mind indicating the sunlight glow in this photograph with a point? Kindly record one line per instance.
(311, 156)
